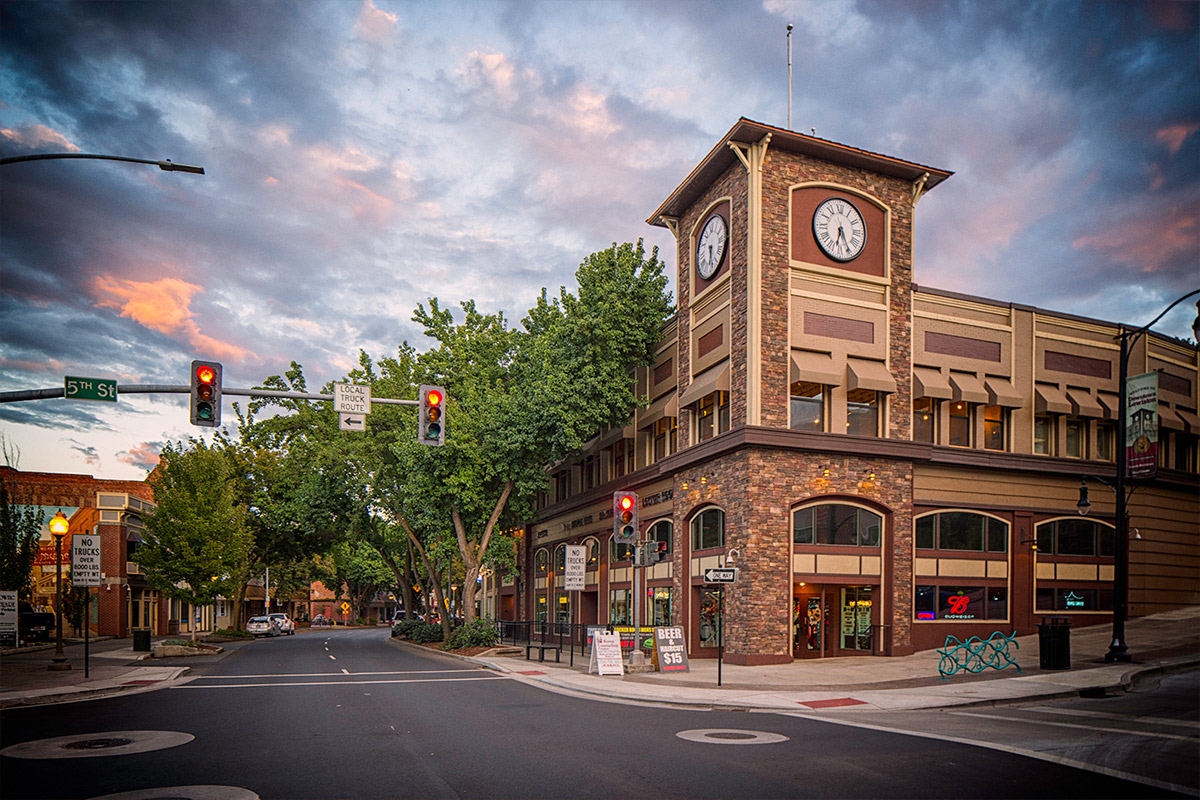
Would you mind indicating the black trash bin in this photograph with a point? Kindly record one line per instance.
(1054, 643)
(141, 641)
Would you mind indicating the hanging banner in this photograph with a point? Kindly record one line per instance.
(1141, 425)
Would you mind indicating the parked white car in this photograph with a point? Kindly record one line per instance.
(287, 625)
(262, 626)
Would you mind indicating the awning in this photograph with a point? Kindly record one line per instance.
(135, 537)
(968, 387)
(1190, 418)
(613, 436)
(666, 406)
(1001, 392)
(1168, 418)
(712, 380)
(815, 367)
(1051, 399)
(931, 383)
(871, 375)
(1084, 404)
(1111, 405)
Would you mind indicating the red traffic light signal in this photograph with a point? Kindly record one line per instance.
(625, 517)
(206, 394)
(431, 416)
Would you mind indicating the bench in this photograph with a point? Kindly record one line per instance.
(975, 654)
(542, 647)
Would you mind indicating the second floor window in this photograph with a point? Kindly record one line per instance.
(960, 424)
(925, 420)
(862, 412)
(1075, 537)
(1044, 435)
(837, 524)
(664, 438)
(962, 530)
(808, 406)
(995, 428)
(712, 416)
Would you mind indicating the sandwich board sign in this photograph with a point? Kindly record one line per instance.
(671, 648)
(606, 654)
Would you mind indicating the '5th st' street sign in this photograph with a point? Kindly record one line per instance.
(89, 389)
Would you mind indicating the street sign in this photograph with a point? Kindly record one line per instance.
(575, 566)
(101, 389)
(352, 422)
(350, 398)
(722, 575)
(85, 559)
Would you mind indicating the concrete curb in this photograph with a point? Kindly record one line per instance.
(135, 681)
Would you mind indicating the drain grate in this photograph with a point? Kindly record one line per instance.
(96, 744)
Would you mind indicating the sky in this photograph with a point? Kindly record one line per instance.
(362, 157)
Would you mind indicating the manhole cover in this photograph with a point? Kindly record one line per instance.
(96, 744)
(729, 736)
(93, 745)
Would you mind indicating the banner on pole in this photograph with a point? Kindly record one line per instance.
(1141, 425)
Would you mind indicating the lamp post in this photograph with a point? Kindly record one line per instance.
(58, 529)
(1118, 650)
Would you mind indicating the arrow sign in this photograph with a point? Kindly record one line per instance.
(724, 575)
(352, 422)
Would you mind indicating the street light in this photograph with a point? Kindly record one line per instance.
(166, 164)
(58, 529)
(1118, 650)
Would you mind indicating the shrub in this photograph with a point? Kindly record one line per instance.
(426, 632)
(232, 633)
(404, 628)
(480, 633)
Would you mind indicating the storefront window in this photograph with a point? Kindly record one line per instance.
(1073, 598)
(540, 612)
(836, 524)
(925, 420)
(660, 606)
(619, 607)
(962, 530)
(961, 602)
(708, 529)
(808, 406)
(862, 412)
(1071, 536)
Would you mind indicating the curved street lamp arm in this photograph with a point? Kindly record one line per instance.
(166, 165)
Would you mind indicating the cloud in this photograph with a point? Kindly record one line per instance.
(163, 306)
(144, 455)
(91, 456)
(1173, 136)
(37, 137)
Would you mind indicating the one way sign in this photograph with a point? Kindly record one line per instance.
(723, 575)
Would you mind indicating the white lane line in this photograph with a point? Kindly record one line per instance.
(345, 671)
(332, 657)
(251, 675)
(1074, 712)
(337, 683)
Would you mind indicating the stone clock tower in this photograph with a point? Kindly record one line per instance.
(795, 269)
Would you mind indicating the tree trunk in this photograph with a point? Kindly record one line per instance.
(472, 554)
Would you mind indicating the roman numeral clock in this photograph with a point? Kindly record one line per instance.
(839, 229)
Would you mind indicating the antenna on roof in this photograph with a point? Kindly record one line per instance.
(789, 38)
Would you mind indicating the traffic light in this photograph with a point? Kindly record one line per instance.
(625, 517)
(431, 422)
(206, 394)
(657, 552)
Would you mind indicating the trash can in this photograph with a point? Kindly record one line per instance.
(1054, 643)
(141, 641)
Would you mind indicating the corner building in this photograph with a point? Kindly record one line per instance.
(884, 463)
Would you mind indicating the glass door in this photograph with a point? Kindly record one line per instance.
(856, 618)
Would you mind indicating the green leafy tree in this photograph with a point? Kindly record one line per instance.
(20, 531)
(197, 539)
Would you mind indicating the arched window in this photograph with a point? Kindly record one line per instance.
(661, 531)
(836, 524)
(618, 551)
(708, 529)
(592, 552)
(961, 530)
(1075, 536)
(560, 559)
(541, 562)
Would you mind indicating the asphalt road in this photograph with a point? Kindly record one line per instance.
(346, 714)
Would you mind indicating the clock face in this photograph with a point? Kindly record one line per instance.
(711, 247)
(839, 229)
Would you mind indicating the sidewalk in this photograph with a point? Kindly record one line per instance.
(1164, 642)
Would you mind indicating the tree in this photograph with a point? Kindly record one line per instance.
(20, 532)
(197, 539)
(519, 400)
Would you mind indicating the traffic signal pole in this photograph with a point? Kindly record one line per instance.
(22, 395)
